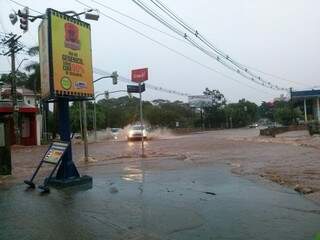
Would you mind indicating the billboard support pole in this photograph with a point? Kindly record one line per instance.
(67, 168)
(67, 174)
(141, 122)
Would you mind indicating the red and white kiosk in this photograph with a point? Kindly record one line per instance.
(28, 122)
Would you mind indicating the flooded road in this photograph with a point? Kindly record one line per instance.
(188, 202)
(206, 185)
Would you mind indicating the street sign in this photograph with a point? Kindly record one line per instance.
(65, 56)
(139, 75)
(200, 101)
(53, 156)
(135, 88)
(55, 152)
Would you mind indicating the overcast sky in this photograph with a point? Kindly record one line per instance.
(278, 37)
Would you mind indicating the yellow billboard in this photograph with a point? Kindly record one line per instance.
(70, 57)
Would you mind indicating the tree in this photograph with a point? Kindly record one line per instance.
(241, 114)
(214, 116)
(285, 114)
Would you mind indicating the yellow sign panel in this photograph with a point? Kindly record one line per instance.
(69, 55)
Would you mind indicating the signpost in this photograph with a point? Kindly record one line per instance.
(135, 88)
(66, 75)
(53, 156)
(139, 76)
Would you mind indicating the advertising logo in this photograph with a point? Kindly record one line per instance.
(71, 36)
(80, 85)
(66, 83)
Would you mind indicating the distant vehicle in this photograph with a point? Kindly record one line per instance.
(115, 132)
(136, 132)
(77, 136)
(254, 125)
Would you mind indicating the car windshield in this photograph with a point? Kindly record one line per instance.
(137, 128)
(114, 130)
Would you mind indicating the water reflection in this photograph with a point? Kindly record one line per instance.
(137, 143)
(132, 174)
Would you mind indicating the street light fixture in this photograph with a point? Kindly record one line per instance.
(91, 16)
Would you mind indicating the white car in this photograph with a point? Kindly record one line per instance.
(136, 132)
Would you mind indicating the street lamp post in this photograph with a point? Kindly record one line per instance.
(114, 77)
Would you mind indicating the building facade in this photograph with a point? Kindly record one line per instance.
(309, 103)
(30, 120)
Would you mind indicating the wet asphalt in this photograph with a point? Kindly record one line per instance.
(126, 202)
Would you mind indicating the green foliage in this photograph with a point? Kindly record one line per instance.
(285, 114)
(29, 79)
(279, 111)
(265, 110)
(214, 116)
(242, 113)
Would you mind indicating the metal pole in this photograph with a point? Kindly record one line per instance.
(80, 120)
(85, 131)
(141, 122)
(95, 119)
(318, 109)
(202, 122)
(305, 110)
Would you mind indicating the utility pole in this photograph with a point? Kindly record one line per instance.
(85, 132)
(141, 121)
(14, 47)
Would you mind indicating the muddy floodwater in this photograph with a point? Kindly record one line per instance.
(186, 203)
(212, 185)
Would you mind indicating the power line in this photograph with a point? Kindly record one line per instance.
(191, 29)
(178, 20)
(21, 5)
(176, 52)
(159, 43)
(171, 49)
(149, 86)
(253, 78)
(138, 21)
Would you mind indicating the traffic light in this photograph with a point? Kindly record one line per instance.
(114, 77)
(106, 94)
(24, 14)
